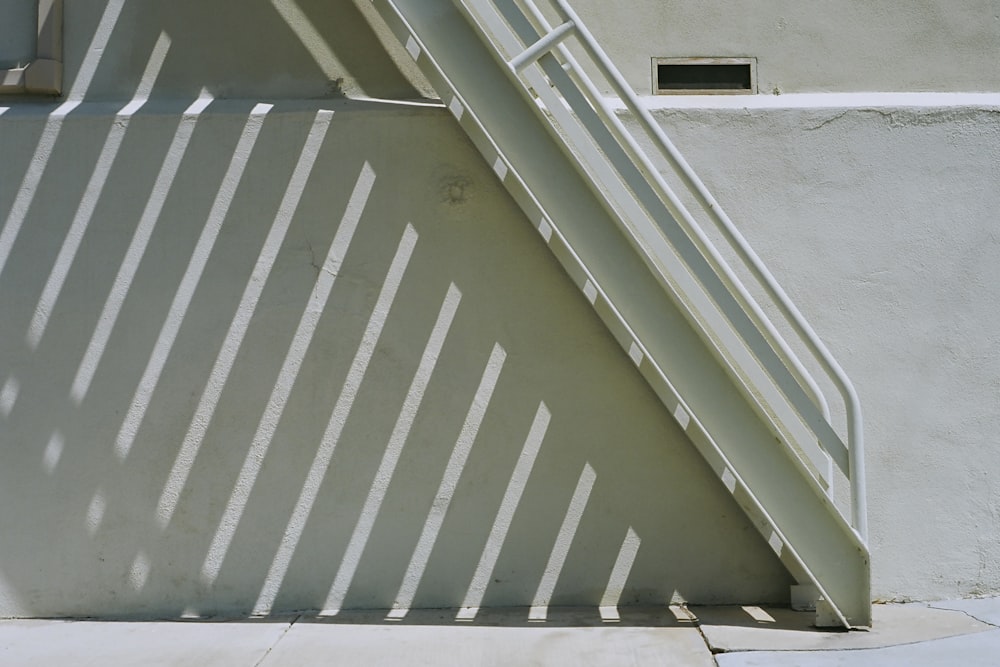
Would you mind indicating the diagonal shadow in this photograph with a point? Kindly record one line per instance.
(226, 365)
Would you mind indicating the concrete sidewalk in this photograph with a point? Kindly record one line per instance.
(956, 633)
(938, 634)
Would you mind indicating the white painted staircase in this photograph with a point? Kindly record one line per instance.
(509, 73)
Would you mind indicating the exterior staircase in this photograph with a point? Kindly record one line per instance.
(595, 184)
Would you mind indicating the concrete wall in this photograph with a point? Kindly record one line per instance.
(138, 378)
(882, 225)
(847, 46)
(166, 420)
(235, 48)
(17, 32)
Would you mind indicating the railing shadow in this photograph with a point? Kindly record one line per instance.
(326, 366)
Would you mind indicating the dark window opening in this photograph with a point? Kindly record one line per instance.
(702, 75)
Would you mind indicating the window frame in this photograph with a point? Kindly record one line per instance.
(750, 62)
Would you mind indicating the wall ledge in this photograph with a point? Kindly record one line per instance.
(864, 100)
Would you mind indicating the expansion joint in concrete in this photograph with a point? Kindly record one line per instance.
(260, 662)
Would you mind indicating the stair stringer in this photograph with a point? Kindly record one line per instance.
(766, 478)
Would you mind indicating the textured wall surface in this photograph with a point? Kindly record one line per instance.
(229, 48)
(881, 223)
(17, 32)
(205, 410)
(174, 360)
(848, 46)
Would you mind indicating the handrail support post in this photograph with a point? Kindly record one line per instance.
(546, 43)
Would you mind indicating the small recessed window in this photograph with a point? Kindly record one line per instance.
(705, 76)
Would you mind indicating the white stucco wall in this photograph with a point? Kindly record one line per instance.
(236, 48)
(879, 220)
(96, 518)
(848, 46)
(17, 32)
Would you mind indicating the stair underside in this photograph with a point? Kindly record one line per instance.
(786, 505)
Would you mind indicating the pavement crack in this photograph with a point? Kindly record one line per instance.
(969, 614)
(276, 641)
(711, 651)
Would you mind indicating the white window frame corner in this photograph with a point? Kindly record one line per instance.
(44, 74)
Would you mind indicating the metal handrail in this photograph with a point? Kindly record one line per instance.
(736, 240)
(774, 338)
